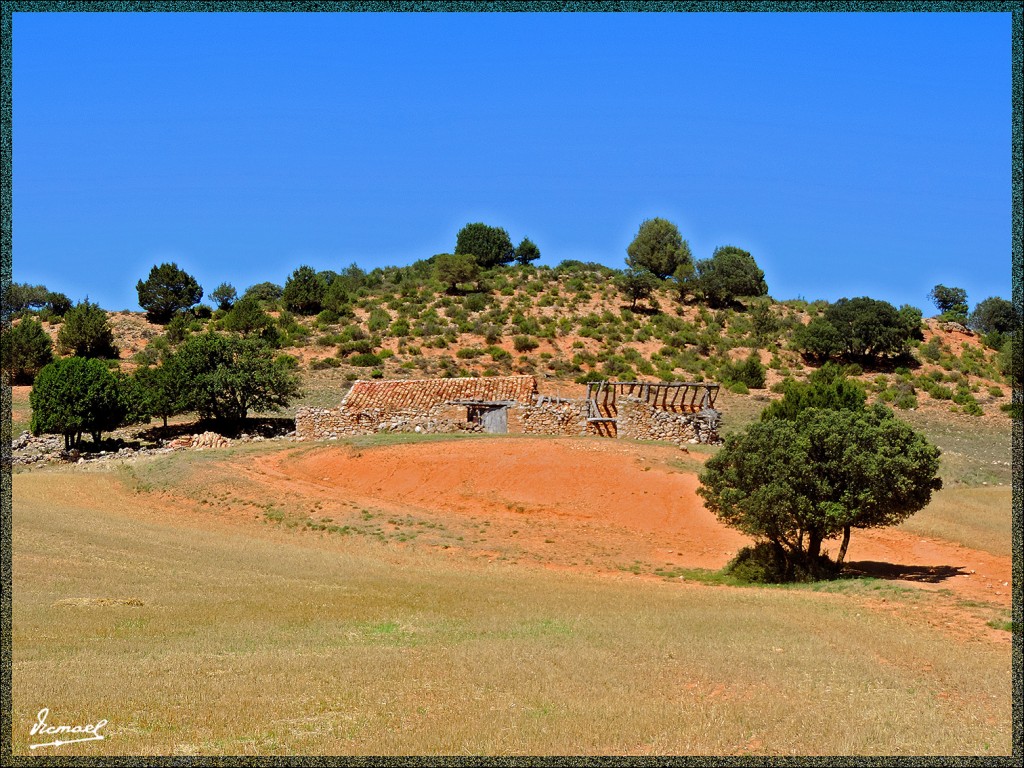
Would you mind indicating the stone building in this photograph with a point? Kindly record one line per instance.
(678, 412)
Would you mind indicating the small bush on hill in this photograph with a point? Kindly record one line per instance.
(225, 295)
(26, 350)
(86, 333)
(827, 388)
(524, 343)
(749, 372)
(304, 291)
(364, 360)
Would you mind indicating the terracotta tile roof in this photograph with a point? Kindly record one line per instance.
(420, 394)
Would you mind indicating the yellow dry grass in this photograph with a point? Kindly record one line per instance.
(979, 518)
(259, 640)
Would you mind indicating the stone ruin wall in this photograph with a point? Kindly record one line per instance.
(636, 419)
(331, 423)
(640, 421)
(564, 418)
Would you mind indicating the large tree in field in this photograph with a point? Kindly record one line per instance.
(225, 377)
(796, 482)
(75, 396)
(491, 246)
(167, 291)
(659, 248)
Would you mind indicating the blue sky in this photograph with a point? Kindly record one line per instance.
(851, 154)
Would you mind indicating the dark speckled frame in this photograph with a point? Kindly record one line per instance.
(53, 6)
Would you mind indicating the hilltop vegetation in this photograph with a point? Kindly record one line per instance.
(570, 322)
(665, 317)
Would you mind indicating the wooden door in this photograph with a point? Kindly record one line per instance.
(495, 420)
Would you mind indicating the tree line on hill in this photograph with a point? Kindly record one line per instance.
(250, 376)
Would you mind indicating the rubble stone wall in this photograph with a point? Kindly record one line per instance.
(640, 421)
(565, 418)
(636, 419)
(329, 423)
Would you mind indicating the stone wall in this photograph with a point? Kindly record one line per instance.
(640, 421)
(327, 424)
(636, 419)
(562, 418)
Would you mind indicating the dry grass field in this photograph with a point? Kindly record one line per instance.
(200, 612)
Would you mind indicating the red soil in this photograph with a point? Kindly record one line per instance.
(560, 502)
(591, 505)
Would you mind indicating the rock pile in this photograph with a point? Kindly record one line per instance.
(201, 442)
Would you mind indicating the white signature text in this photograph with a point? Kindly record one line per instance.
(88, 732)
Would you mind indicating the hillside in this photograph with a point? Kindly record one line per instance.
(565, 323)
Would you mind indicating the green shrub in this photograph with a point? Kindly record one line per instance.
(27, 349)
(905, 401)
(973, 409)
(762, 563)
(524, 343)
(1014, 410)
(379, 320)
(359, 346)
(364, 360)
(827, 388)
(589, 377)
(963, 395)
(326, 362)
(931, 351)
(86, 332)
(748, 372)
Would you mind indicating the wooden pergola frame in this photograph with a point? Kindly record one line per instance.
(673, 397)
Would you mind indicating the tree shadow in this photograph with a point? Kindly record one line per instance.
(264, 426)
(927, 574)
(867, 363)
(641, 310)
